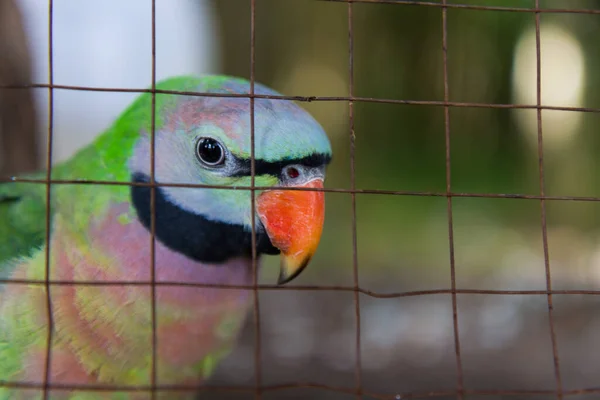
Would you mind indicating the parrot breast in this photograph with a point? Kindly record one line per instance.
(103, 333)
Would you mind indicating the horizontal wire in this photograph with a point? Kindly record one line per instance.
(436, 103)
(290, 386)
(326, 190)
(473, 7)
(332, 288)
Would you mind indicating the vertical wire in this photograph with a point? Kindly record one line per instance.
(256, 310)
(459, 368)
(557, 374)
(48, 364)
(153, 210)
(358, 365)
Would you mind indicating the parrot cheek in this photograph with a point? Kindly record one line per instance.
(293, 220)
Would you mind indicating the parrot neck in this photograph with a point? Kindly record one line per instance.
(193, 235)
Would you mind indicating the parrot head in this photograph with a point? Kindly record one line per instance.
(206, 140)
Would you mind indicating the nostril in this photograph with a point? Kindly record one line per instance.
(292, 172)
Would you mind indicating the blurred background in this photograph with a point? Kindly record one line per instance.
(302, 49)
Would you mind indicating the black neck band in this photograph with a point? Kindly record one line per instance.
(194, 235)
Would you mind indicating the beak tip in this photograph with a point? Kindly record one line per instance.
(284, 277)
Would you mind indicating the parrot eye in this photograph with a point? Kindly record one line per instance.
(210, 152)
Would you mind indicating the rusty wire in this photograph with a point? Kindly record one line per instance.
(153, 210)
(460, 391)
(256, 308)
(48, 361)
(358, 363)
(459, 368)
(538, 57)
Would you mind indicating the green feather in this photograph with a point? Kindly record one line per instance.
(23, 216)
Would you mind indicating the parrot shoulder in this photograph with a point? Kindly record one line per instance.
(22, 220)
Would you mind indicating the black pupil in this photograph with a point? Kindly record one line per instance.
(210, 151)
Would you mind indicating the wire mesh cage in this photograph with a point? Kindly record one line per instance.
(460, 387)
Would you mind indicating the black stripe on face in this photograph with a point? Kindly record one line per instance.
(193, 235)
(274, 168)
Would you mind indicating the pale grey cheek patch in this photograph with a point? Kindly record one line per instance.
(214, 204)
(193, 200)
(140, 160)
(175, 162)
(174, 159)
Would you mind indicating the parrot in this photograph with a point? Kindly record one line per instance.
(99, 321)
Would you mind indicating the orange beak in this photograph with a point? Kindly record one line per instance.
(293, 220)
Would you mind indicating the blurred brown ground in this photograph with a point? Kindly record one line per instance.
(308, 337)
